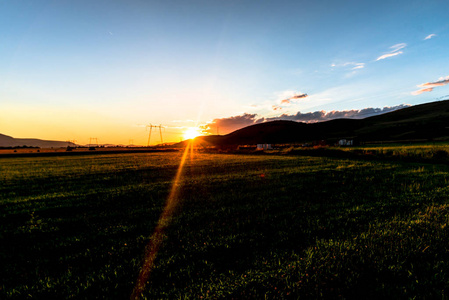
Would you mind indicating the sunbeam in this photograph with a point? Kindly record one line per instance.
(152, 249)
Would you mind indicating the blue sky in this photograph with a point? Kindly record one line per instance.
(78, 69)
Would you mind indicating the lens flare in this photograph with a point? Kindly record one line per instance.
(152, 249)
(191, 133)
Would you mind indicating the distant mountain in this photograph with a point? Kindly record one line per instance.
(8, 141)
(428, 121)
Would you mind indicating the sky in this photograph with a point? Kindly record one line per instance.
(74, 70)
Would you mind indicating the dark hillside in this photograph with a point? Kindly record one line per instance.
(8, 141)
(425, 121)
(270, 132)
(428, 121)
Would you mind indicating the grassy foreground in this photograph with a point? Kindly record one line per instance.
(246, 226)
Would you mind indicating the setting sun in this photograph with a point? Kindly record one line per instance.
(191, 133)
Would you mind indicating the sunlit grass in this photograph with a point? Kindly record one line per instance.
(246, 226)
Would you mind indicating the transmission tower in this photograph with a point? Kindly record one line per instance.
(151, 128)
(93, 139)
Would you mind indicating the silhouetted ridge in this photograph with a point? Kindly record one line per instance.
(428, 121)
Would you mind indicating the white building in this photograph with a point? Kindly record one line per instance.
(345, 142)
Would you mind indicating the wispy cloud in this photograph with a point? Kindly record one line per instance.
(430, 36)
(389, 55)
(359, 66)
(294, 97)
(422, 91)
(398, 47)
(276, 107)
(428, 86)
(440, 82)
(299, 96)
(227, 125)
(395, 50)
(355, 65)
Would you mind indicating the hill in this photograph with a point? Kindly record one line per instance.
(428, 121)
(8, 141)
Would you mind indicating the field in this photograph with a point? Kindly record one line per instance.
(284, 225)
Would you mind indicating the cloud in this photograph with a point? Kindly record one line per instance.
(428, 86)
(388, 55)
(422, 91)
(440, 82)
(394, 51)
(275, 107)
(227, 125)
(398, 47)
(294, 97)
(354, 64)
(299, 96)
(319, 116)
(359, 66)
(430, 36)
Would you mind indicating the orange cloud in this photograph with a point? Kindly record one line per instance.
(229, 124)
(422, 91)
(275, 107)
(428, 86)
(288, 100)
(440, 82)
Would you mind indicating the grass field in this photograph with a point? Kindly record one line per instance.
(245, 226)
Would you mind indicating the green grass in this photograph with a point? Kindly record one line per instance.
(418, 153)
(246, 226)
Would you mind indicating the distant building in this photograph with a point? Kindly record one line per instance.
(264, 147)
(345, 142)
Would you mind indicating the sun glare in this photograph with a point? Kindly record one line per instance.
(191, 133)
